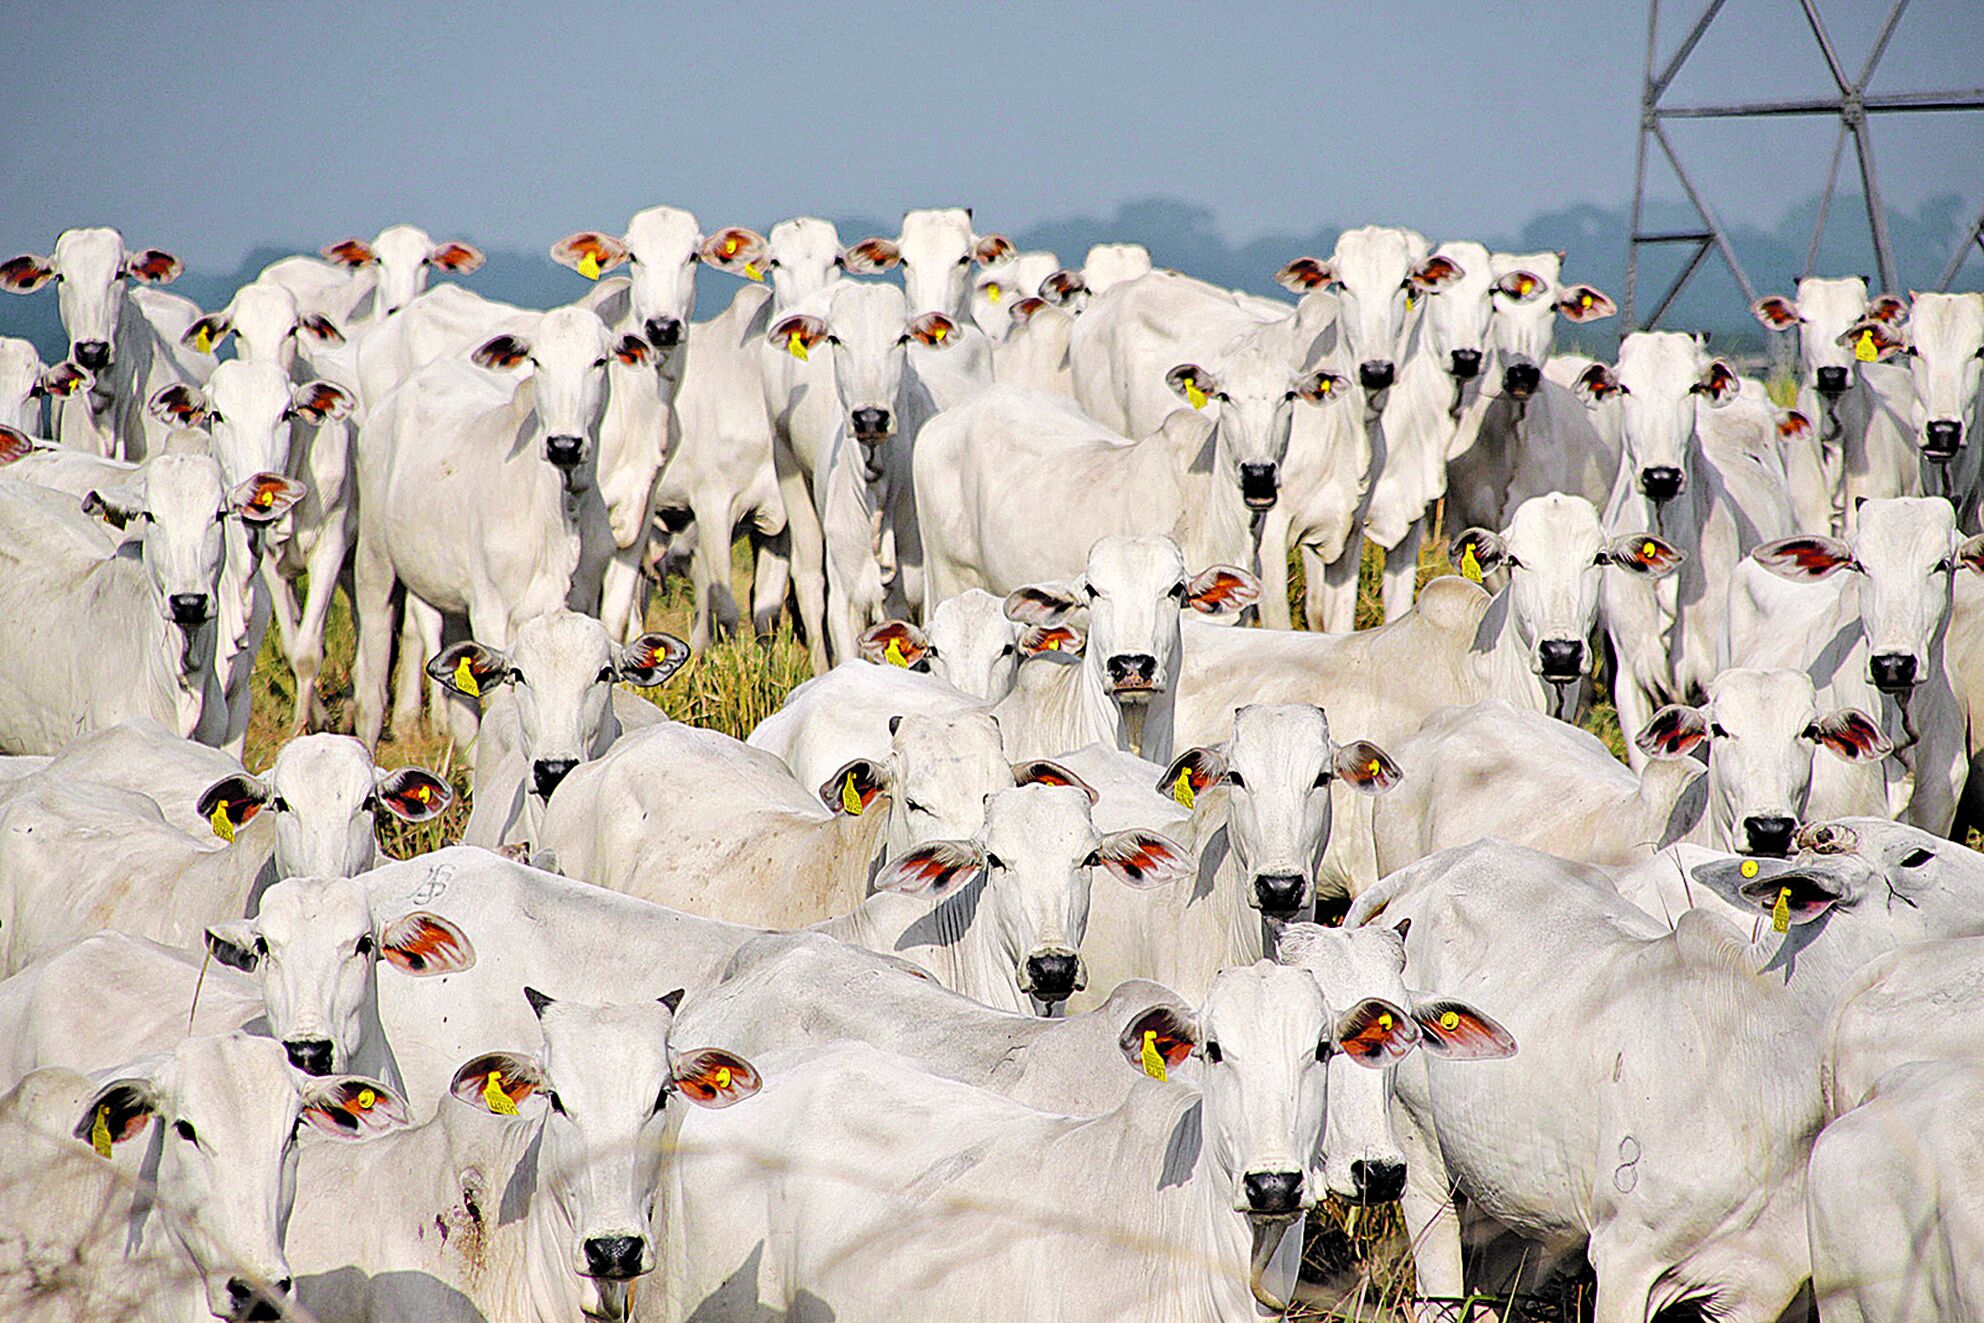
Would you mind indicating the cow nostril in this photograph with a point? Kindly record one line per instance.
(1521, 380)
(663, 332)
(1280, 893)
(1832, 381)
(564, 451)
(1377, 1182)
(1662, 482)
(1051, 977)
(312, 1056)
(615, 1257)
(92, 354)
(247, 1303)
(188, 608)
(1892, 671)
(1942, 438)
(1259, 484)
(1375, 374)
(1560, 659)
(1768, 834)
(546, 774)
(1273, 1191)
(870, 424)
(1466, 364)
(1132, 669)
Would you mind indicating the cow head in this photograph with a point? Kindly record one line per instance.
(1460, 303)
(802, 257)
(266, 325)
(935, 250)
(1529, 296)
(567, 357)
(1945, 356)
(867, 332)
(1251, 398)
(1110, 264)
(248, 406)
(973, 646)
(1375, 271)
(25, 382)
(937, 775)
(1662, 378)
(92, 266)
(400, 260)
(1823, 314)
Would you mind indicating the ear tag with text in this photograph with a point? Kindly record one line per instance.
(1153, 1060)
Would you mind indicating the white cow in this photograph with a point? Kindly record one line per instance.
(516, 464)
(25, 382)
(1945, 349)
(1034, 353)
(1925, 982)
(360, 283)
(858, 1183)
(102, 630)
(189, 1220)
(126, 338)
(308, 962)
(532, 1197)
(1001, 286)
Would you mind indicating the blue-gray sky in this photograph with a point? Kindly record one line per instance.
(210, 128)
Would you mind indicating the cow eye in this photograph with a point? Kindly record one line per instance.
(1008, 650)
(184, 1129)
(965, 260)
(599, 362)
(1178, 591)
(517, 676)
(279, 804)
(605, 675)
(994, 861)
(557, 1103)
(1323, 1050)
(1716, 731)
(1322, 779)
(661, 1098)
(1946, 565)
(365, 944)
(913, 806)
(261, 946)
(772, 264)
(1916, 858)
(1212, 1052)
(833, 339)
(1234, 779)
(1094, 859)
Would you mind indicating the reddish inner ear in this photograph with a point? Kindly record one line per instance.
(415, 942)
(1807, 554)
(1172, 1038)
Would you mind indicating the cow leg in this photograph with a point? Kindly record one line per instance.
(620, 590)
(420, 638)
(1402, 570)
(1432, 1224)
(771, 576)
(372, 616)
(1625, 1280)
(809, 568)
(1333, 606)
(1272, 563)
(709, 570)
(306, 657)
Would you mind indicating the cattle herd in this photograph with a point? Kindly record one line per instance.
(1081, 926)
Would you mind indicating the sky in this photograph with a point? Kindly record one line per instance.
(212, 128)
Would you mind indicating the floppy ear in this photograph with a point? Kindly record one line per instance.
(26, 274)
(230, 802)
(1673, 732)
(1304, 275)
(497, 1081)
(895, 643)
(456, 257)
(353, 1107)
(1192, 384)
(501, 352)
(350, 252)
(933, 330)
(1805, 558)
(1761, 883)
(1970, 553)
(1583, 303)
(233, 944)
(319, 327)
(871, 257)
(1363, 766)
(1718, 383)
(736, 250)
(1436, 273)
(1145, 859)
(1320, 386)
(1023, 310)
(414, 794)
(1477, 553)
(1522, 286)
(1376, 1033)
(1042, 603)
(470, 669)
(1222, 590)
(1643, 553)
(423, 944)
(1159, 1040)
(205, 335)
(1851, 735)
(1456, 1031)
(1061, 288)
(1047, 772)
(1873, 340)
(152, 266)
(591, 253)
(1792, 425)
(650, 659)
(1776, 312)
(65, 379)
(265, 497)
(316, 401)
(1597, 384)
(179, 405)
(632, 351)
(14, 445)
(118, 503)
(854, 787)
(991, 249)
(935, 869)
(1891, 309)
(712, 1077)
(1191, 774)
(117, 1112)
(1036, 639)
(798, 335)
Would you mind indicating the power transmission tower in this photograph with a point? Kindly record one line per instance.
(1851, 106)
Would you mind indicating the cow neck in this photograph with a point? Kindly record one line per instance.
(854, 845)
(521, 417)
(523, 1270)
(1227, 532)
(1071, 704)
(1501, 662)
(177, 665)
(1669, 812)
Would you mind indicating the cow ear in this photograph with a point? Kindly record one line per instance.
(229, 803)
(1305, 275)
(414, 794)
(1851, 735)
(1872, 340)
(1765, 884)
(117, 1112)
(934, 869)
(798, 335)
(118, 503)
(673, 1000)
(425, 944)
(497, 1081)
(349, 252)
(501, 352)
(1436, 273)
(1022, 312)
(1673, 732)
(1806, 558)
(589, 252)
(632, 351)
(1970, 553)
(853, 788)
(1583, 303)
(1642, 553)
(263, 498)
(991, 249)
(736, 250)
(152, 266)
(1889, 309)
(179, 405)
(1597, 384)
(1192, 384)
(1456, 1031)
(1477, 553)
(1047, 772)
(14, 445)
(26, 274)
(1363, 766)
(320, 401)
(1376, 1033)
(933, 330)
(1222, 590)
(470, 669)
(1320, 386)
(1061, 288)
(650, 659)
(1776, 312)
(205, 334)
(1792, 425)
(320, 328)
(233, 944)
(895, 643)
(1042, 603)
(871, 257)
(1522, 286)
(1191, 774)
(65, 379)
(454, 256)
(712, 1077)
(1718, 384)
(1036, 639)
(1143, 859)
(1159, 1040)
(353, 1107)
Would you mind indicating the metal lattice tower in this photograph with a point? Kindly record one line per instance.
(1851, 106)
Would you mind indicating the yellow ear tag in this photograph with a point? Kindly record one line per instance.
(1374, 767)
(1864, 348)
(1780, 913)
(203, 340)
(465, 679)
(937, 333)
(1470, 565)
(730, 246)
(751, 271)
(1584, 300)
(1748, 868)
(894, 655)
(367, 1100)
(1409, 301)
(1648, 550)
(1450, 1020)
(1181, 789)
(850, 798)
(492, 1093)
(100, 1131)
(993, 292)
(223, 825)
(796, 346)
(1053, 643)
(1385, 1021)
(589, 266)
(1193, 395)
(1153, 1061)
(723, 1077)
